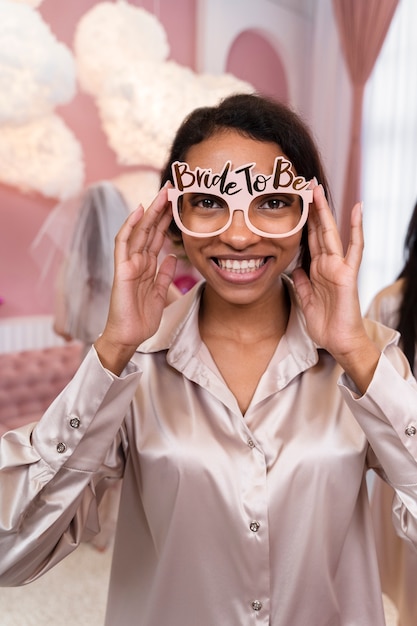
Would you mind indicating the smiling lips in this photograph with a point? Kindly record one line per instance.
(240, 267)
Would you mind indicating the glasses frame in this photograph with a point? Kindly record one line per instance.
(305, 194)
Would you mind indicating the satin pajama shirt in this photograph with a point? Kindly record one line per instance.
(225, 519)
(397, 558)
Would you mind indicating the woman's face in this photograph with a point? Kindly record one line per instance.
(239, 265)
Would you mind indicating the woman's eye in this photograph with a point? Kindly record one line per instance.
(274, 203)
(206, 202)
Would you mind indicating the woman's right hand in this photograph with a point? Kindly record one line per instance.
(140, 288)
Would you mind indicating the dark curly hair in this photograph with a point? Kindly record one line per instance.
(407, 324)
(260, 118)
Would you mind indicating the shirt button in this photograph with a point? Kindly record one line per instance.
(75, 422)
(251, 443)
(61, 447)
(410, 431)
(254, 526)
(256, 605)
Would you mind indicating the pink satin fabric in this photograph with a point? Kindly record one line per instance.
(224, 519)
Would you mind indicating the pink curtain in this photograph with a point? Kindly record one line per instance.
(362, 26)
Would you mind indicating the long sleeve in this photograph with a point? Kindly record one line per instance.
(53, 473)
(387, 413)
(393, 523)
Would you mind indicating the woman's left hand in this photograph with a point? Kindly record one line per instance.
(329, 298)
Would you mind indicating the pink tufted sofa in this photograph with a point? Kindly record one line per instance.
(31, 379)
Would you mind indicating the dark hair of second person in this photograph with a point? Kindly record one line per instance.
(407, 323)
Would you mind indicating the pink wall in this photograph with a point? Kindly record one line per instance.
(262, 66)
(21, 215)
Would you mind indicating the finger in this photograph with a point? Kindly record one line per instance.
(156, 236)
(302, 285)
(327, 232)
(160, 231)
(157, 207)
(315, 236)
(156, 217)
(166, 275)
(121, 250)
(314, 244)
(356, 242)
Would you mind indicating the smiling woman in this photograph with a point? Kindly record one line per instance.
(242, 417)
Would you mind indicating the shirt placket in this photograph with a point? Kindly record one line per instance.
(255, 508)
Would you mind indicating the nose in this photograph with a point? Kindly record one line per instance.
(238, 234)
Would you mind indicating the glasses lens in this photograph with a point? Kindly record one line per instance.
(202, 213)
(276, 214)
(272, 214)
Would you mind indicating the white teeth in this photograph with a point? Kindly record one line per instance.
(241, 267)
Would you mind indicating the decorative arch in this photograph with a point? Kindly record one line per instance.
(252, 58)
(254, 29)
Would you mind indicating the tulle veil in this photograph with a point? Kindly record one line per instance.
(74, 248)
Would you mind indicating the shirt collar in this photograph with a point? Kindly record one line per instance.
(178, 333)
(180, 317)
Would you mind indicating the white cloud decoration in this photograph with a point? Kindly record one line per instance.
(41, 156)
(142, 107)
(141, 97)
(112, 35)
(37, 72)
(32, 3)
(38, 152)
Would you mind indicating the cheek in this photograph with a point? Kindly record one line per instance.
(195, 245)
(290, 251)
(192, 248)
(197, 254)
(187, 244)
(291, 245)
(293, 261)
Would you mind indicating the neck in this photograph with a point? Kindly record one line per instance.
(246, 323)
